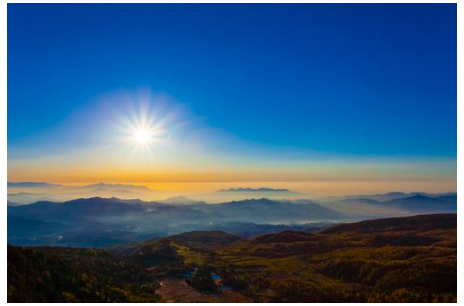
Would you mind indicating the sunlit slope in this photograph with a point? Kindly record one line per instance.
(409, 259)
(387, 260)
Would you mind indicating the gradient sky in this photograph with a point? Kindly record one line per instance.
(302, 92)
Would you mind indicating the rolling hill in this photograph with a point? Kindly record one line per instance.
(421, 223)
(408, 259)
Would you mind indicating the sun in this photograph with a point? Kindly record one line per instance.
(142, 136)
(143, 129)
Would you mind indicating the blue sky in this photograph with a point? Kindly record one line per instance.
(357, 80)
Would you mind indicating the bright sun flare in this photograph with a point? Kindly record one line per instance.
(142, 136)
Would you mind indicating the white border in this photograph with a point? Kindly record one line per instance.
(3, 103)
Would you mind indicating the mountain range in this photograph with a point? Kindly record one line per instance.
(128, 220)
(31, 185)
(104, 221)
(415, 203)
(263, 189)
(31, 192)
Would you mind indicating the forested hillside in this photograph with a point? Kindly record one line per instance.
(411, 259)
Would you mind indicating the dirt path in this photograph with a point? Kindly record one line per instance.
(176, 290)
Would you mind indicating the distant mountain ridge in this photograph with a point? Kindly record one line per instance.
(31, 185)
(424, 203)
(100, 221)
(415, 203)
(96, 185)
(116, 186)
(30, 192)
(106, 217)
(382, 197)
(26, 198)
(262, 189)
(81, 208)
(265, 210)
